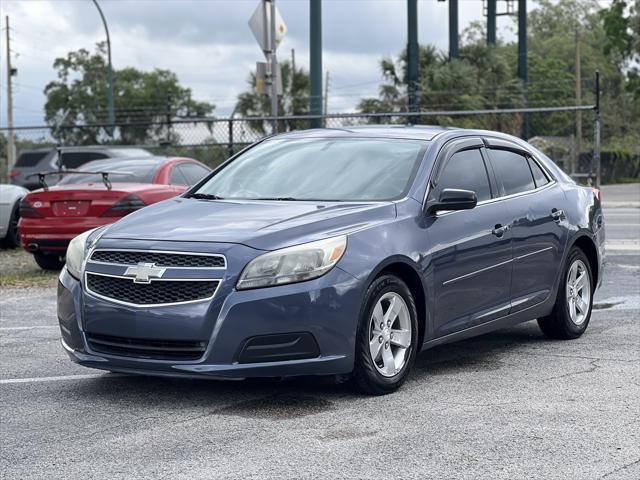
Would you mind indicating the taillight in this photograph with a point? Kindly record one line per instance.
(124, 206)
(596, 192)
(27, 210)
(14, 173)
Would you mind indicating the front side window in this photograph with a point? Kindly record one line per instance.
(512, 169)
(339, 169)
(465, 170)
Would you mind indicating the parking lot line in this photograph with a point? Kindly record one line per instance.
(8, 381)
(10, 329)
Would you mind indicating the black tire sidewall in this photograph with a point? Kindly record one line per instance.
(48, 262)
(12, 239)
(364, 368)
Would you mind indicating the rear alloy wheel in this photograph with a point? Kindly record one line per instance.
(12, 239)
(572, 311)
(387, 337)
(49, 262)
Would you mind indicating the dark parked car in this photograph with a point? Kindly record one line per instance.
(343, 251)
(31, 162)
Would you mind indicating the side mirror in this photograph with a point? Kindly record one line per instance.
(453, 199)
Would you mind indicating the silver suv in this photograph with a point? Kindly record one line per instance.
(47, 159)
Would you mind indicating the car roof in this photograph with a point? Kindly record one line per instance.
(416, 132)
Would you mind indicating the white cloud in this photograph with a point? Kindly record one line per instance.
(208, 43)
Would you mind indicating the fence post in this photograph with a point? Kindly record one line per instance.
(596, 134)
(230, 146)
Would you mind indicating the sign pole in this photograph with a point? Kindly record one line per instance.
(274, 68)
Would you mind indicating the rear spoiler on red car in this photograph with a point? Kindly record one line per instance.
(105, 176)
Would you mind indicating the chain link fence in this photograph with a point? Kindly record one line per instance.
(212, 140)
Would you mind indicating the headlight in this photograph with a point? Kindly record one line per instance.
(77, 250)
(293, 264)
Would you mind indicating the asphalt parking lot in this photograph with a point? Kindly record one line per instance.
(510, 404)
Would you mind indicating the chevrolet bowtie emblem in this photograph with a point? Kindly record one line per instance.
(144, 272)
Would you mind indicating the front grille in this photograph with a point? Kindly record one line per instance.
(154, 293)
(161, 259)
(147, 348)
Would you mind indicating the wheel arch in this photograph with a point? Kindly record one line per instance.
(407, 270)
(585, 243)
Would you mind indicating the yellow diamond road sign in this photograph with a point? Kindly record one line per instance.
(257, 25)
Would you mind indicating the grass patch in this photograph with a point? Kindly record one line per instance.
(19, 269)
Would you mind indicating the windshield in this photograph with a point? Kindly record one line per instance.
(122, 173)
(320, 169)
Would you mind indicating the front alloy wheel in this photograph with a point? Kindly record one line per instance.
(387, 339)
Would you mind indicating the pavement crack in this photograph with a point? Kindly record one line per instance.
(619, 469)
(592, 368)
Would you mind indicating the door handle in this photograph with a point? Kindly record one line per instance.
(557, 214)
(498, 230)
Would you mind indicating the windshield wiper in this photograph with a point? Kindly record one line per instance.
(205, 196)
(280, 199)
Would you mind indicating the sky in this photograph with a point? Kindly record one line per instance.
(209, 45)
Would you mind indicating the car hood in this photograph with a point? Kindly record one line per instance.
(264, 225)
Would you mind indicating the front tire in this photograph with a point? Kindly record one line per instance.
(49, 262)
(572, 311)
(387, 337)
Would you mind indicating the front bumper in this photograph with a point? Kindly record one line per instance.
(326, 309)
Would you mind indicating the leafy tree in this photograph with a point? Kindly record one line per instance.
(141, 99)
(294, 101)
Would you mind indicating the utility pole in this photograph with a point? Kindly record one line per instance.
(522, 59)
(576, 164)
(110, 107)
(315, 64)
(453, 29)
(274, 68)
(413, 60)
(491, 21)
(11, 148)
(326, 94)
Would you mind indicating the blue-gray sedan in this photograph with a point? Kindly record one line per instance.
(337, 252)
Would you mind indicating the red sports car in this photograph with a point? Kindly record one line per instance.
(98, 193)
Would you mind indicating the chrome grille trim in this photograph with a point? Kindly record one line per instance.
(218, 281)
(159, 252)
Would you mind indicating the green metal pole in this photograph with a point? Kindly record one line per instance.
(491, 21)
(110, 108)
(315, 67)
(522, 59)
(413, 68)
(453, 29)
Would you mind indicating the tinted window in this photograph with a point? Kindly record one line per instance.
(538, 175)
(75, 159)
(30, 159)
(465, 170)
(177, 178)
(513, 171)
(350, 169)
(121, 172)
(193, 172)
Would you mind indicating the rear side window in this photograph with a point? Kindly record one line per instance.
(75, 159)
(538, 175)
(465, 170)
(193, 172)
(30, 159)
(512, 169)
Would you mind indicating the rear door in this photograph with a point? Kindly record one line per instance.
(471, 249)
(536, 220)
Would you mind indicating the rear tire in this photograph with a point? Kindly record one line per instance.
(572, 311)
(387, 337)
(49, 262)
(12, 239)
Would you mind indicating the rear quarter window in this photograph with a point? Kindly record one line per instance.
(30, 159)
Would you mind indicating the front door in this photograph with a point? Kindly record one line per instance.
(471, 249)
